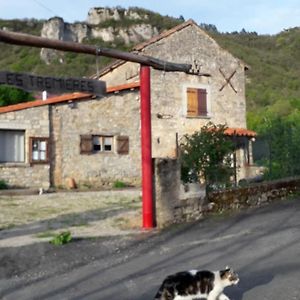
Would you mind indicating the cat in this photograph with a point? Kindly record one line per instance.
(193, 285)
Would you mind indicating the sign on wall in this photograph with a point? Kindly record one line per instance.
(54, 85)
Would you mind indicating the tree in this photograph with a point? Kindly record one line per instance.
(10, 95)
(283, 138)
(207, 154)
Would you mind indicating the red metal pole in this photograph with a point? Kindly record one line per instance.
(147, 185)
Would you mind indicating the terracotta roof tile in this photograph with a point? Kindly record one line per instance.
(122, 87)
(53, 100)
(240, 132)
(66, 98)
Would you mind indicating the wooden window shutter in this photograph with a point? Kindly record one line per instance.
(192, 102)
(122, 144)
(202, 102)
(86, 144)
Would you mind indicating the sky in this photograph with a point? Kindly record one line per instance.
(261, 16)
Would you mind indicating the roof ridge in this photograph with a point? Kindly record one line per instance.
(144, 44)
(164, 34)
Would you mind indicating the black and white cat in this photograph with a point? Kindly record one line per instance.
(193, 285)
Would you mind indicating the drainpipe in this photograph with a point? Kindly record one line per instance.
(147, 184)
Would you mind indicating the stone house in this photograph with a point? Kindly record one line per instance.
(96, 141)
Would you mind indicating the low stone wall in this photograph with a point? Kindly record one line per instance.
(254, 195)
(174, 204)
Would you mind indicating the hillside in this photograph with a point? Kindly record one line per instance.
(65, 64)
(273, 80)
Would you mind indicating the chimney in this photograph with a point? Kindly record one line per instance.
(44, 95)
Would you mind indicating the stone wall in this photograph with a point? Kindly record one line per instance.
(35, 123)
(168, 89)
(254, 195)
(24, 175)
(166, 185)
(115, 115)
(175, 204)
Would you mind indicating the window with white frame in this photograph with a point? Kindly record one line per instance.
(90, 144)
(102, 143)
(38, 150)
(12, 146)
(95, 143)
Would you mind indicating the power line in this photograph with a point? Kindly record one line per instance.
(47, 8)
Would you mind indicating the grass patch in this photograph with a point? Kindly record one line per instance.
(293, 195)
(120, 221)
(11, 204)
(123, 202)
(119, 184)
(128, 223)
(46, 234)
(80, 224)
(7, 226)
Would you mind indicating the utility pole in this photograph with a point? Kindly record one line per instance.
(147, 170)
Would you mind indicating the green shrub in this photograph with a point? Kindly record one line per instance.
(119, 184)
(62, 238)
(207, 154)
(3, 185)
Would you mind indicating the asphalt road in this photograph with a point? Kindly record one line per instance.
(262, 245)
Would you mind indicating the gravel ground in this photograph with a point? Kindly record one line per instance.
(27, 219)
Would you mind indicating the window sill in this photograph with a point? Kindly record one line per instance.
(14, 165)
(39, 163)
(199, 117)
(103, 152)
(98, 153)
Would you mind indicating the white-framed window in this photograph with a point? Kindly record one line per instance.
(12, 146)
(95, 143)
(38, 150)
(197, 102)
(102, 143)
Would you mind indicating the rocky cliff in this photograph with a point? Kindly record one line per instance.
(105, 24)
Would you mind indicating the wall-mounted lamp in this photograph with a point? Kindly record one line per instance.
(163, 116)
(72, 104)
